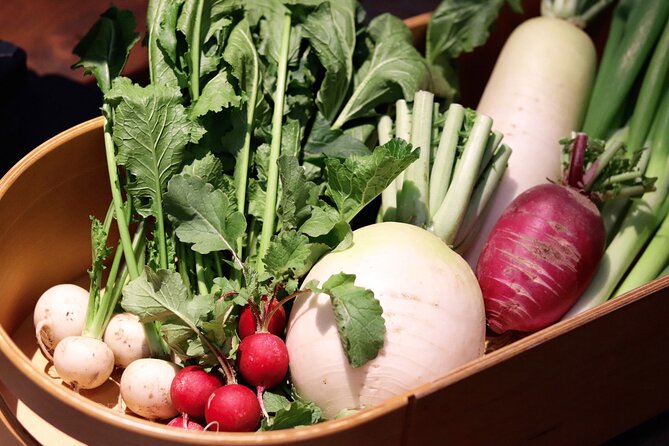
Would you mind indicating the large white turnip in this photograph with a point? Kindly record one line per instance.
(432, 308)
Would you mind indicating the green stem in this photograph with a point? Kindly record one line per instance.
(96, 326)
(199, 273)
(639, 223)
(389, 195)
(122, 222)
(451, 212)
(485, 188)
(444, 160)
(183, 265)
(243, 158)
(412, 203)
(195, 52)
(269, 223)
(651, 91)
(612, 86)
(402, 131)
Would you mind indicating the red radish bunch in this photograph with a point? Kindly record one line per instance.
(542, 252)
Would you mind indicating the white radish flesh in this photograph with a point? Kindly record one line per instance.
(145, 388)
(536, 96)
(83, 362)
(433, 311)
(126, 337)
(60, 312)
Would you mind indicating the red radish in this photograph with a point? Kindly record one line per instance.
(184, 422)
(249, 325)
(541, 253)
(233, 408)
(191, 388)
(263, 360)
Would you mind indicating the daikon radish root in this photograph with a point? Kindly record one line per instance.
(536, 96)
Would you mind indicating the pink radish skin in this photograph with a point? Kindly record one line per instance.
(263, 360)
(191, 388)
(183, 422)
(233, 408)
(249, 325)
(540, 256)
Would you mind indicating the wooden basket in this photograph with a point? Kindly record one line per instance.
(580, 381)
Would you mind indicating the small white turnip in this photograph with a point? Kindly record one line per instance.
(145, 388)
(83, 362)
(60, 312)
(126, 337)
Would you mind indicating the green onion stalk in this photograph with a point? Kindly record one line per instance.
(461, 162)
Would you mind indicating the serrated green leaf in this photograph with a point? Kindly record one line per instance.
(203, 215)
(217, 94)
(162, 296)
(240, 53)
(151, 130)
(161, 41)
(297, 414)
(355, 181)
(359, 319)
(105, 48)
(394, 70)
(296, 192)
(323, 140)
(274, 402)
(321, 222)
(331, 31)
(209, 168)
(289, 251)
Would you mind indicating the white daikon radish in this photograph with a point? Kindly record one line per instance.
(536, 96)
(433, 311)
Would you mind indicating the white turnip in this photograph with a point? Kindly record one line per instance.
(433, 312)
(60, 312)
(126, 336)
(145, 388)
(83, 362)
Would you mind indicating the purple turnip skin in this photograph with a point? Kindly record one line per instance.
(540, 256)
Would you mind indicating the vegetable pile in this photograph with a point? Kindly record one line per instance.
(229, 181)
(239, 297)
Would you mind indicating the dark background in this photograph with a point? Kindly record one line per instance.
(40, 95)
